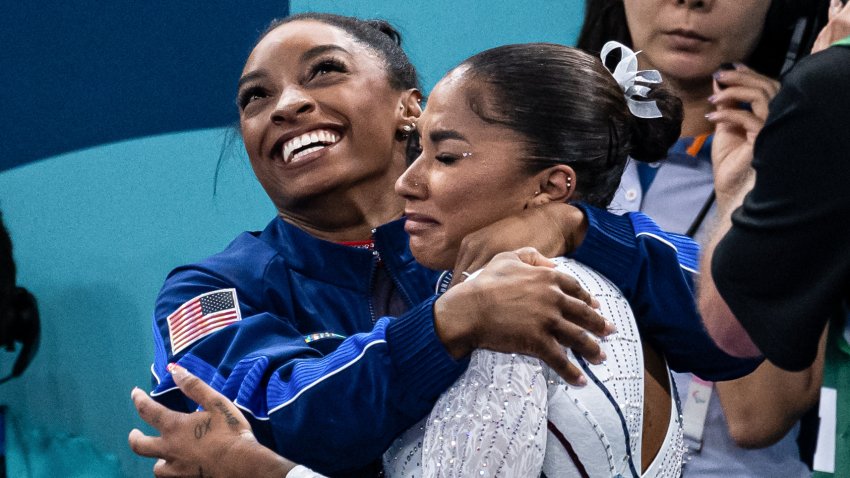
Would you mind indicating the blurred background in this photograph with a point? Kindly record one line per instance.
(115, 117)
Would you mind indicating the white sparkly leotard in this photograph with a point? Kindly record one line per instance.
(509, 415)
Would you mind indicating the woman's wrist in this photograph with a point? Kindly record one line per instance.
(452, 315)
(258, 461)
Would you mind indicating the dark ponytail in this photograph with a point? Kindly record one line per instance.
(653, 137)
(570, 111)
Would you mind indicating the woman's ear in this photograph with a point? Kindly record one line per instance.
(556, 184)
(409, 108)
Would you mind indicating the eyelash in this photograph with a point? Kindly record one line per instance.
(321, 68)
(447, 159)
(327, 65)
(249, 94)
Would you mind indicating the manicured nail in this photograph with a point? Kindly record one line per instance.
(175, 369)
(711, 116)
(712, 99)
(717, 75)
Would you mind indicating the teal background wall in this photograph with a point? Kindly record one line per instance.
(440, 34)
(96, 230)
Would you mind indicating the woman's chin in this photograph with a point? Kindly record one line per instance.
(432, 258)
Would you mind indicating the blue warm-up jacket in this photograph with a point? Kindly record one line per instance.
(328, 384)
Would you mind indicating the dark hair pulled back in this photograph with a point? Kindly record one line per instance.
(378, 35)
(570, 111)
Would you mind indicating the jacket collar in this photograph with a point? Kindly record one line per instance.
(334, 263)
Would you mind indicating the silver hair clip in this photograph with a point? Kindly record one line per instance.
(626, 74)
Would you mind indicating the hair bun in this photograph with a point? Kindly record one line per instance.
(387, 29)
(651, 138)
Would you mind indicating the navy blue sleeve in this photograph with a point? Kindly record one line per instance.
(654, 270)
(334, 412)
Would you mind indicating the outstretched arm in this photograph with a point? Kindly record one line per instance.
(652, 268)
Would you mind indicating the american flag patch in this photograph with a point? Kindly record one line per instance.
(202, 316)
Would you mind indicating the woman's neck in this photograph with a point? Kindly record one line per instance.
(348, 215)
(694, 96)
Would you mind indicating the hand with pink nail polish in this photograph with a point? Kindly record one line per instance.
(214, 442)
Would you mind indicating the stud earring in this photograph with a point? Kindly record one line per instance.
(408, 128)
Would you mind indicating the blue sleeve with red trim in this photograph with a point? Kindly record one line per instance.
(654, 270)
(335, 412)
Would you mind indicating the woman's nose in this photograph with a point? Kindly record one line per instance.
(292, 103)
(409, 185)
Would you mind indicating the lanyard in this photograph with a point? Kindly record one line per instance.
(842, 42)
(646, 175)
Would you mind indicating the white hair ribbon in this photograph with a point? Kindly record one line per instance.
(626, 73)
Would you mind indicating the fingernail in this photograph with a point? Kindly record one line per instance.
(602, 356)
(739, 65)
(133, 392)
(711, 116)
(610, 328)
(717, 75)
(712, 99)
(175, 369)
(594, 303)
(582, 381)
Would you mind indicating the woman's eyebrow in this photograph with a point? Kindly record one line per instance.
(251, 76)
(445, 134)
(321, 50)
(305, 57)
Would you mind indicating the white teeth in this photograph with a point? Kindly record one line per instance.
(305, 152)
(325, 137)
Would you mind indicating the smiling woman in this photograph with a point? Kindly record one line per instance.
(303, 117)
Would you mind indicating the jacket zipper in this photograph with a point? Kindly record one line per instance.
(391, 272)
(372, 278)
